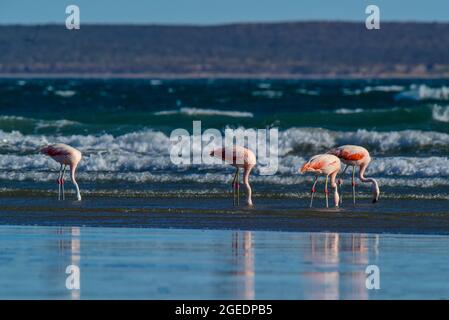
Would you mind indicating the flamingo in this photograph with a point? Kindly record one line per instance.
(66, 156)
(324, 164)
(238, 157)
(357, 156)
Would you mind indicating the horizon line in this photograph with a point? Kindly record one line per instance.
(346, 21)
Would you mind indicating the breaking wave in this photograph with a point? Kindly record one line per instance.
(440, 113)
(424, 92)
(23, 124)
(144, 157)
(206, 112)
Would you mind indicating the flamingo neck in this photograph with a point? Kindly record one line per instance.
(333, 177)
(375, 185)
(246, 173)
(72, 177)
(362, 175)
(334, 186)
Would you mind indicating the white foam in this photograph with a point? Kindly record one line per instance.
(308, 92)
(440, 113)
(391, 88)
(360, 110)
(368, 89)
(349, 111)
(271, 94)
(291, 141)
(155, 82)
(320, 140)
(144, 157)
(14, 118)
(264, 85)
(206, 112)
(39, 124)
(424, 92)
(65, 93)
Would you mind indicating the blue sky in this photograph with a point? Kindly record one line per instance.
(218, 11)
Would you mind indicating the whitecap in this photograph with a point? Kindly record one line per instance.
(440, 113)
(308, 92)
(368, 89)
(296, 140)
(349, 111)
(65, 93)
(206, 112)
(271, 94)
(424, 92)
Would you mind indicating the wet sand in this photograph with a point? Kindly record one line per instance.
(387, 216)
(140, 263)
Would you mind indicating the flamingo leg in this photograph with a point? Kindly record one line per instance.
(326, 191)
(340, 184)
(62, 182)
(59, 183)
(233, 186)
(312, 191)
(353, 184)
(238, 187)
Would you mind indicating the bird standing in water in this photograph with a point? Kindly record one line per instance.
(356, 156)
(324, 164)
(238, 157)
(66, 156)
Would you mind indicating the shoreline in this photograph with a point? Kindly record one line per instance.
(217, 214)
(218, 76)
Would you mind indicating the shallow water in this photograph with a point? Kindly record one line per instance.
(218, 264)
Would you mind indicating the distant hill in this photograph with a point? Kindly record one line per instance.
(303, 49)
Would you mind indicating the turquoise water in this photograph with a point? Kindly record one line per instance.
(134, 263)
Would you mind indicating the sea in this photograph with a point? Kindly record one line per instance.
(123, 128)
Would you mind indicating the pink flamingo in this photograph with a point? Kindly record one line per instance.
(357, 156)
(238, 157)
(328, 165)
(66, 156)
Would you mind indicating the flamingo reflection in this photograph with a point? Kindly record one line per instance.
(243, 257)
(328, 251)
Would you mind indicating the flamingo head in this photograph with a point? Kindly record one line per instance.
(43, 149)
(304, 168)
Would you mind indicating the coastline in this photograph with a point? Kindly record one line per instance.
(222, 76)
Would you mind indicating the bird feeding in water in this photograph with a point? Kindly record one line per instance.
(356, 156)
(66, 156)
(327, 165)
(238, 157)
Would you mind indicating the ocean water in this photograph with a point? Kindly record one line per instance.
(123, 128)
(133, 263)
